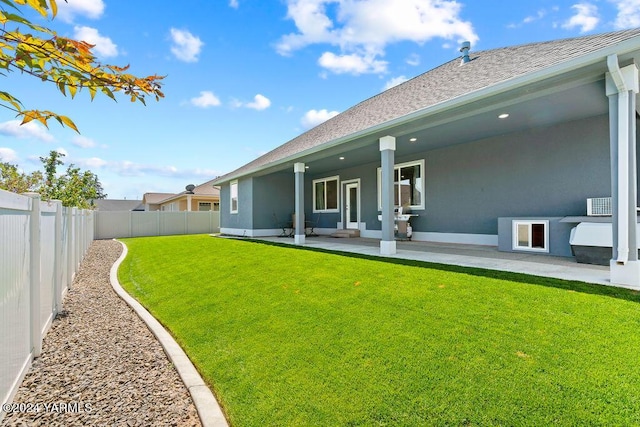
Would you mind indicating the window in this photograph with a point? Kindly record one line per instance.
(325, 194)
(234, 196)
(408, 185)
(204, 206)
(531, 236)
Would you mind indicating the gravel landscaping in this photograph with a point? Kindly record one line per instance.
(100, 365)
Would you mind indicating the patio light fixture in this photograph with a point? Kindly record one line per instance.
(503, 116)
(413, 139)
(341, 158)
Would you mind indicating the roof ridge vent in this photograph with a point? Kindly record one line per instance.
(466, 45)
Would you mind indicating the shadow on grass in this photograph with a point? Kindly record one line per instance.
(569, 285)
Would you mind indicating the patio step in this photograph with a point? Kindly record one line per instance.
(346, 233)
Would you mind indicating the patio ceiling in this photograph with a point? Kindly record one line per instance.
(472, 122)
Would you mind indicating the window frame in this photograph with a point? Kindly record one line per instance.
(209, 204)
(515, 243)
(233, 184)
(335, 178)
(397, 167)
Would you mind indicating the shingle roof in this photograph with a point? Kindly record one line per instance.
(204, 189)
(155, 198)
(441, 84)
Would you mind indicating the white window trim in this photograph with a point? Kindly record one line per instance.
(514, 234)
(402, 165)
(231, 184)
(329, 178)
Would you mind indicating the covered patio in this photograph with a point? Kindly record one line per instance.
(476, 256)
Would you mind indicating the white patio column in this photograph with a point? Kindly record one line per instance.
(298, 169)
(188, 202)
(621, 87)
(387, 160)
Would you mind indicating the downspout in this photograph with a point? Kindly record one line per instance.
(623, 158)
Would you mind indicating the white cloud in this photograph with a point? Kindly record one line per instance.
(366, 27)
(352, 64)
(532, 18)
(205, 100)
(234, 4)
(86, 8)
(628, 14)
(83, 142)
(186, 47)
(586, 17)
(92, 163)
(104, 47)
(395, 82)
(313, 118)
(413, 60)
(260, 102)
(32, 129)
(8, 155)
(128, 168)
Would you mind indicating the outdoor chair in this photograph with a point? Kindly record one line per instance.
(311, 225)
(287, 227)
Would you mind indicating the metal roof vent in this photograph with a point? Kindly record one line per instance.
(465, 52)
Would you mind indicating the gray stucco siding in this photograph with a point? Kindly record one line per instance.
(273, 194)
(367, 174)
(543, 172)
(547, 172)
(244, 218)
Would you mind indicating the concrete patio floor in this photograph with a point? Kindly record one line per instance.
(487, 257)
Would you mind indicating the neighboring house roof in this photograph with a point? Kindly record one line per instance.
(117, 205)
(155, 198)
(203, 190)
(489, 72)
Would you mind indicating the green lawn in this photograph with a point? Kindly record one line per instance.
(294, 337)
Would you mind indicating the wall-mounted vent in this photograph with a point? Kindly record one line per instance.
(599, 206)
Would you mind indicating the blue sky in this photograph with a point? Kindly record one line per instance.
(245, 76)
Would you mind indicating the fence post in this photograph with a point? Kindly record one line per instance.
(83, 217)
(34, 274)
(70, 251)
(92, 229)
(57, 260)
(76, 240)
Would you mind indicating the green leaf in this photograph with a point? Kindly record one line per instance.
(61, 87)
(15, 102)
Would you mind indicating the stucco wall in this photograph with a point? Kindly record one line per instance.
(536, 173)
(273, 194)
(243, 220)
(545, 172)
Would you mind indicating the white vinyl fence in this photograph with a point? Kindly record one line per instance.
(41, 246)
(109, 225)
